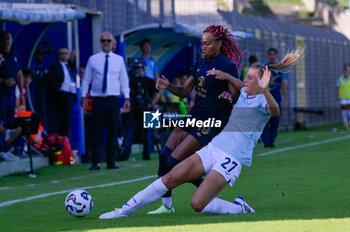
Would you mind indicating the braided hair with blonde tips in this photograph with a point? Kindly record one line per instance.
(229, 47)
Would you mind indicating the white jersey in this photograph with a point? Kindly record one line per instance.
(246, 123)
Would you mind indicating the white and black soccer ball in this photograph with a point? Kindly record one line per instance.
(79, 203)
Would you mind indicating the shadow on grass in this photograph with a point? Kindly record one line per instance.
(191, 218)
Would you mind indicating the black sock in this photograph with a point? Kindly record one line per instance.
(171, 162)
(163, 157)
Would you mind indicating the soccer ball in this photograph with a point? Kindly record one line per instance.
(79, 203)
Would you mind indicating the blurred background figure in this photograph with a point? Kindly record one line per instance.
(62, 82)
(10, 75)
(252, 60)
(151, 70)
(144, 96)
(28, 76)
(108, 77)
(343, 95)
(278, 89)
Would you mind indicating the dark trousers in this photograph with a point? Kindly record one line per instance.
(7, 110)
(89, 137)
(270, 131)
(134, 125)
(64, 102)
(7, 113)
(105, 112)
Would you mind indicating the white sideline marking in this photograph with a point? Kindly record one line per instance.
(31, 185)
(77, 178)
(55, 181)
(302, 146)
(5, 188)
(7, 203)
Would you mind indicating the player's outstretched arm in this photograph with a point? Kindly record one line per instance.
(237, 84)
(181, 91)
(264, 82)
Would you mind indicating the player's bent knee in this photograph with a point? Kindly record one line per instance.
(173, 179)
(197, 205)
(169, 181)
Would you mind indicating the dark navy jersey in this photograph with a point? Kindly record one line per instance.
(208, 88)
(276, 85)
(10, 66)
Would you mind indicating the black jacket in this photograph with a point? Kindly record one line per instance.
(55, 75)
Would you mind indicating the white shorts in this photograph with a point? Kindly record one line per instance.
(344, 101)
(215, 159)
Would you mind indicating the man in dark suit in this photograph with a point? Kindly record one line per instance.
(62, 83)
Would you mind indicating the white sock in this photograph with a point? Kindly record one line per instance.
(151, 193)
(344, 115)
(167, 201)
(219, 206)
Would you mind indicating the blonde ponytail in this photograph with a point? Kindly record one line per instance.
(288, 60)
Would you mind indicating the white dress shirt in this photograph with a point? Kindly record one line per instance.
(67, 84)
(117, 78)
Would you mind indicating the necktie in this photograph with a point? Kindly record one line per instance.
(104, 84)
(70, 74)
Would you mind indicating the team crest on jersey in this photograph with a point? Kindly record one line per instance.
(201, 81)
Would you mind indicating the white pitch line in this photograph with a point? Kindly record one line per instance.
(302, 146)
(7, 203)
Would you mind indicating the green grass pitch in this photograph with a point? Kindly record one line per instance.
(305, 188)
